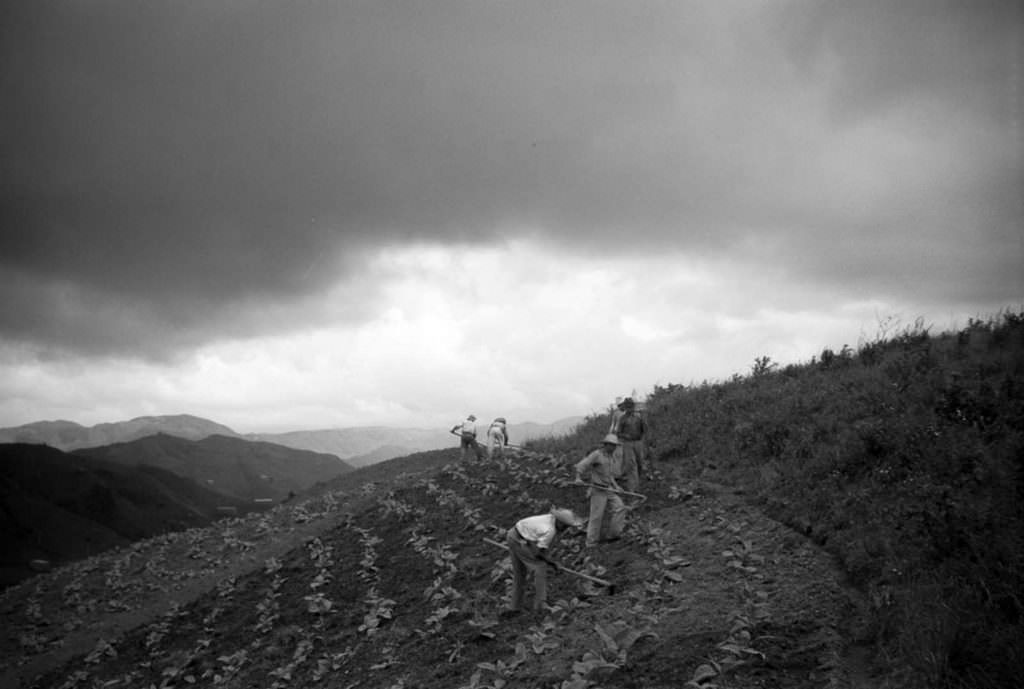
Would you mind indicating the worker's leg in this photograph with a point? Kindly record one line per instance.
(598, 499)
(629, 478)
(518, 571)
(618, 515)
(540, 585)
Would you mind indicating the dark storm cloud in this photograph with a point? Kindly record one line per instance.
(964, 54)
(179, 160)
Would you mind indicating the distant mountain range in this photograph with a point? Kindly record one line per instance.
(60, 506)
(358, 446)
(57, 507)
(243, 469)
(68, 435)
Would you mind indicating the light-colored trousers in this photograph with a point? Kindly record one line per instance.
(495, 445)
(602, 502)
(523, 559)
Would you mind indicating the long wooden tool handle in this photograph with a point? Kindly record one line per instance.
(617, 490)
(563, 568)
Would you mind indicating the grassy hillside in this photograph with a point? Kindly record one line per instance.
(904, 459)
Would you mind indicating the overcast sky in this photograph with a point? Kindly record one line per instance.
(296, 215)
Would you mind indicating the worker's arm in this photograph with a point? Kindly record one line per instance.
(582, 467)
(542, 554)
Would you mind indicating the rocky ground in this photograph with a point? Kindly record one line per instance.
(390, 584)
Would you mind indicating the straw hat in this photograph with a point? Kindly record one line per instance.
(567, 517)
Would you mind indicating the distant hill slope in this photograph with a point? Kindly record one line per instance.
(68, 435)
(244, 469)
(354, 442)
(370, 444)
(61, 507)
(359, 446)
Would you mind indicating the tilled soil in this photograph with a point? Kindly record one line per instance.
(392, 585)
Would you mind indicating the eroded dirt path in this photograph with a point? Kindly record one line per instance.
(747, 568)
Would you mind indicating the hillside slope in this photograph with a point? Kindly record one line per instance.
(856, 521)
(395, 587)
(366, 445)
(60, 507)
(902, 458)
(243, 469)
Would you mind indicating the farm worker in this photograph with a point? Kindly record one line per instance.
(466, 431)
(595, 470)
(529, 542)
(497, 438)
(631, 429)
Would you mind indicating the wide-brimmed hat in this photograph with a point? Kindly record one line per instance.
(471, 417)
(567, 517)
(612, 439)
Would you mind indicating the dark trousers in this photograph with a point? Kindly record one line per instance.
(523, 560)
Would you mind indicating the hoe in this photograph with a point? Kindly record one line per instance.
(601, 582)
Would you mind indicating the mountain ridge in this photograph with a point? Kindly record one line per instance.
(363, 445)
(245, 469)
(59, 507)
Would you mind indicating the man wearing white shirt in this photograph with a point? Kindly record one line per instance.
(467, 438)
(529, 543)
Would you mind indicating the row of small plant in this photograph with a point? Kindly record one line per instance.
(57, 602)
(144, 570)
(316, 579)
(526, 473)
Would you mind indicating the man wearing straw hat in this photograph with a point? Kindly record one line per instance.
(529, 543)
(596, 471)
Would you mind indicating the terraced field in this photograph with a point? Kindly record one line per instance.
(384, 580)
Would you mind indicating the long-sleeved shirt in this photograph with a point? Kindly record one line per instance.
(539, 530)
(596, 468)
(629, 426)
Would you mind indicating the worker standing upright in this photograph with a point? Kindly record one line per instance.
(631, 429)
(595, 471)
